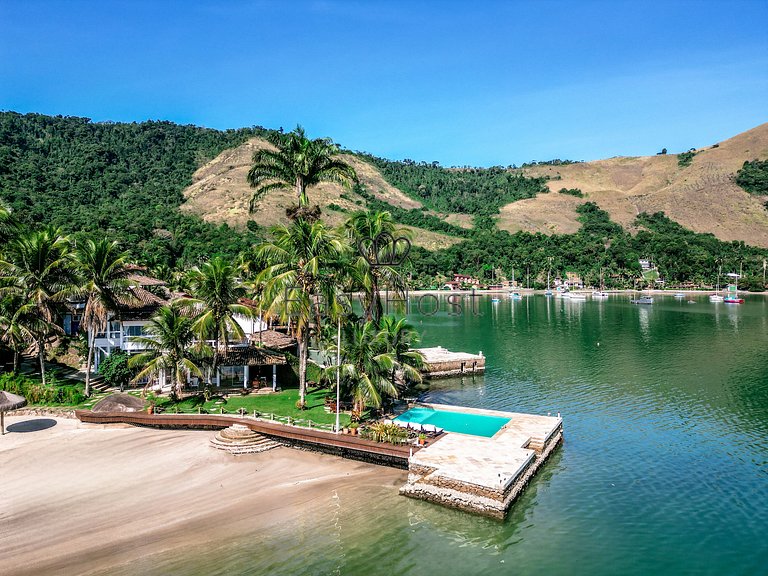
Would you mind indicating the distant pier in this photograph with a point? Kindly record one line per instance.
(440, 362)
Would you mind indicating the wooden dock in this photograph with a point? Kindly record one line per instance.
(344, 445)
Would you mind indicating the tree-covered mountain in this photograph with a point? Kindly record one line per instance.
(176, 194)
(122, 180)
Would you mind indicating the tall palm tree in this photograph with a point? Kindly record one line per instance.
(300, 259)
(103, 270)
(380, 257)
(40, 262)
(216, 294)
(366, 366)
(169, 340)
(399, 338)
(297, 164)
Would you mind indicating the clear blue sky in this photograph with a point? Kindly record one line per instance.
(479, 83)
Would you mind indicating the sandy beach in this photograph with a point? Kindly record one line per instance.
(88, 499)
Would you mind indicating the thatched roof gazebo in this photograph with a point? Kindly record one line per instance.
(9, 401)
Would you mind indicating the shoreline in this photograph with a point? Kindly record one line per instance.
(531, 291)
(84, 498)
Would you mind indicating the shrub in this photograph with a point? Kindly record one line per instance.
(36, 393)
(572, 192)
(685, 158)
(114, 368)
(382, 432)
(753, 177)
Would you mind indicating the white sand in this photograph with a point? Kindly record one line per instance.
(78, 498)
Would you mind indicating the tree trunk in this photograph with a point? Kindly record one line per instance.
(88, 364)
(41, 356)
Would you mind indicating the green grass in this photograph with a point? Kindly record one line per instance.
(281, 404)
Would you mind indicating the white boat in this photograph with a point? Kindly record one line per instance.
(642, 300)
(679, 295)
(549, 290)
(716, 297)
(599, 295)
(575, 295)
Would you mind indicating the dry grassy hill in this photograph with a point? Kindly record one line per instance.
(220, 193)
(702, 196)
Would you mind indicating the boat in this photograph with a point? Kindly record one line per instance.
(733, 289)
(716, 297)
(515, 296)
(643, 300)
(575, 295)
(599, 294)
(495, 300)
(679, 295)
(548, 291)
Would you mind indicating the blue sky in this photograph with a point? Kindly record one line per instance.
(477, 83)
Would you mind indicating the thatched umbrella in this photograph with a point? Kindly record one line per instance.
(9, 401)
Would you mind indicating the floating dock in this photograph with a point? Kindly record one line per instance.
(439, 362)
(483, 475)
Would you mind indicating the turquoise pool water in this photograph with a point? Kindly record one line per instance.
(475, 424)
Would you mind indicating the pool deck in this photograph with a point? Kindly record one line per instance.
(483, 475)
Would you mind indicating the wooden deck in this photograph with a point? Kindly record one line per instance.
(340, 444)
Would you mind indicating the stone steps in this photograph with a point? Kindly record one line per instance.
(239, 439)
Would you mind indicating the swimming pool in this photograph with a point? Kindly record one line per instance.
(462, 422)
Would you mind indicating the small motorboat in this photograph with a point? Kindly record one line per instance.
(599, 294)
(680, 295)
(642, 300)
(733, 300)
(715, 298)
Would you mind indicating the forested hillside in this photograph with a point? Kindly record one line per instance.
(477, 191)
(123, 180)
(129, 181)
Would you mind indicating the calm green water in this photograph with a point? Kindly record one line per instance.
(664, 469)
(475, 424)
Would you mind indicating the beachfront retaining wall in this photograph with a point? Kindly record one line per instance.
(346, 446)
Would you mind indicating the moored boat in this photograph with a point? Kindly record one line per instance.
(642, 300)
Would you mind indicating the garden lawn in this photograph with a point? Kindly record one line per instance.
(282, 404)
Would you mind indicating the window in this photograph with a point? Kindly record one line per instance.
(232, 376)
(134, 331)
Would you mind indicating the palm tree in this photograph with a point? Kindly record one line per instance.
(18, 324)
(400, 337)
(8, 224)
(169, 347)
(381, 255)
(216, 294)
(300, 259)
(40, 264)
(297, 164)
(104, 272)
(366, 366)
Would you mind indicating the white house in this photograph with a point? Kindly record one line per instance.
(248, 362)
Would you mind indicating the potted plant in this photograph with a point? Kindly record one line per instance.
(422, 438)
(353, 428)
(152, 399)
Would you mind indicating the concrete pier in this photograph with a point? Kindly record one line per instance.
(483, 475)
(440, 362)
